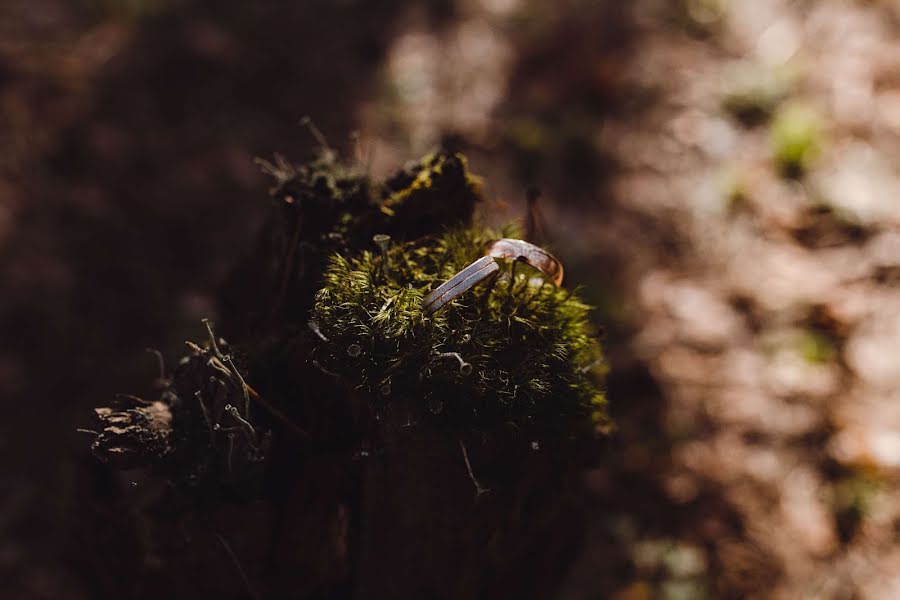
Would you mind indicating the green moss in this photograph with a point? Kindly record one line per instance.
(343, 204)
(854, 495)
(735, 192)
(704, 14)
(325, 207)
(796, 139)
(515, 354)
(817, 347)
(431, 194)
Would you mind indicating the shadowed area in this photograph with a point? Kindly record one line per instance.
(718, 175)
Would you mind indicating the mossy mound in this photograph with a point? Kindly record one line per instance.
(325, 206)
(515, 354)
(342, 206)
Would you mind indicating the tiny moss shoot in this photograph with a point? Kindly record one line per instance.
(817, 347)
(514, 354)
(796, 138)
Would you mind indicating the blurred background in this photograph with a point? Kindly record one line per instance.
(721, 177)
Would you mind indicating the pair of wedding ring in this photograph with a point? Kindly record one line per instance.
(486, 266)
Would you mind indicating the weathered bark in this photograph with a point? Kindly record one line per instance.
(429, 533)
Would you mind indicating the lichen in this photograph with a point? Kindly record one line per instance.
(515, 354)
(417, 198)
(134, 434)
(345, 205)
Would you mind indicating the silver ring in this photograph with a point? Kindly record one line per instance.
(487, 266)
(460, 283)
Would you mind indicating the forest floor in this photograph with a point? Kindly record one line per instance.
(720, 179)
(717, 175)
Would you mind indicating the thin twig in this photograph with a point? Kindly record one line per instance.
(236, 415)
(243, 388)
(212, 340)
(307, 122)
(479, 490)
(296, 429)
(197, 349)
(223, 359)
(217, 365)
(237, 564)
(209, 423)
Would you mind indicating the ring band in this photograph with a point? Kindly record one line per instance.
(460, 283)
(486, 266)
(535, 256)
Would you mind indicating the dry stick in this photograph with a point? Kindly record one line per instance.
(227, 359)
(243, 387)
(479, 490)
(218, 366)
(249, 391)
(248, 428)
(209, 424)
(212, 340)
(237, 564)
(296, 429)
(316, 133)
(282, 170)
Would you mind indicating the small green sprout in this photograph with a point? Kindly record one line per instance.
(796, 138)
(817, 347)
(703, 14)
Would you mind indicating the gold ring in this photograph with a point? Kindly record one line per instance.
(535, 256)
(486, 266)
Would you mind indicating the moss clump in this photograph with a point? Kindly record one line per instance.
(325, 206)
(416, 200)
(513, 355)
(343, 205)
(817, 346)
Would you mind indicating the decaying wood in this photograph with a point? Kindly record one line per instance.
(282, 482)
(134, 436)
